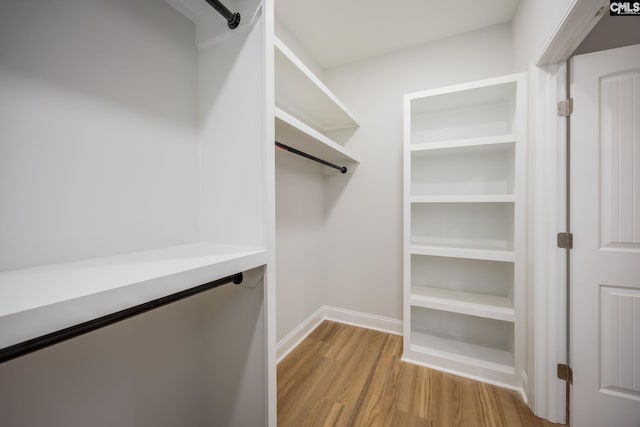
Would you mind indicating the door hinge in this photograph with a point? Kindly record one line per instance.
(565, 240)
(565, 108)
(565, 373)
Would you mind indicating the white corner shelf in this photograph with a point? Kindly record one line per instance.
(301, 93)
(468, 253)
(295, 133)
(481, 305)
(483, 143)
(41, 300)
(452, 349)
(465, 198)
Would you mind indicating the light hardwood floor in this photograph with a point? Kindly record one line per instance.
(342, 375)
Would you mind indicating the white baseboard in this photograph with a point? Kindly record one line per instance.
(364, 320)
(349, 317)
(295, 337)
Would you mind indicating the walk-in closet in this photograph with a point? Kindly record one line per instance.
(244, 213)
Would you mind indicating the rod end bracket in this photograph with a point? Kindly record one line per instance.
(237, 279)
(234, 21)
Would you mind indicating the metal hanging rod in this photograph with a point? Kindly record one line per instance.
(342, 169)
(233, 19)
(35, 344)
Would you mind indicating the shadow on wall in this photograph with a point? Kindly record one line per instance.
(75, 45)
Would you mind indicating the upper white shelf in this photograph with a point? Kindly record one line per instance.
(480, 109)
(482, 305)
(294, 133)
(301, 93)
(482, 143)
(465, 198)
(468, 253)
(37, 301)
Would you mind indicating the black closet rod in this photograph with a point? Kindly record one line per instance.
(342, 169)
(233, 19)
(38, 343)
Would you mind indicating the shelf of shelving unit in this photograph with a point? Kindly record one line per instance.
(40, 300)
(480, 143)
(463, 225)
(300, 93)
(478, 341)
(478, 170)
(468, 111)
(295, 133)
(469, 253)
(458, 350)
(465, 198)
(481, 305)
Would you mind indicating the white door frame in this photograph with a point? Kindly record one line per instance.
(548, 170)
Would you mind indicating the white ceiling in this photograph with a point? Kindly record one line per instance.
(339, 31)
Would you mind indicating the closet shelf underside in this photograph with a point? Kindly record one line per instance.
(40, 300)
(295, 133)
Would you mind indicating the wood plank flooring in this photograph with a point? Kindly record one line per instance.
(342, 375)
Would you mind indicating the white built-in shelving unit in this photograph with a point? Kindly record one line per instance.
(463, 229)
(307, 111)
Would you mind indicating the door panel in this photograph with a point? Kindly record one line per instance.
(620, 177)
(605, 220)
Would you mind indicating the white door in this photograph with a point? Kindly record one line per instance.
(605, 220)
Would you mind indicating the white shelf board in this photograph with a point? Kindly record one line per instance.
(40, 300)
(482, 305)
(464, 198)
(468, 253)
(302, 94)
(484, 143)
(462, 351)
(294, 133)
(480, 92)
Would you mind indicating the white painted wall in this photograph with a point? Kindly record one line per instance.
(299, 240)
(296, 47)
(533, 25)
(346, 251)
(89, 88)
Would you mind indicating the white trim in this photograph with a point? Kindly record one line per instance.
(578, 20)
(334, 314)
(547, 298)
(296, 336)
(466, 375)
(549, 267)
(364, 320)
